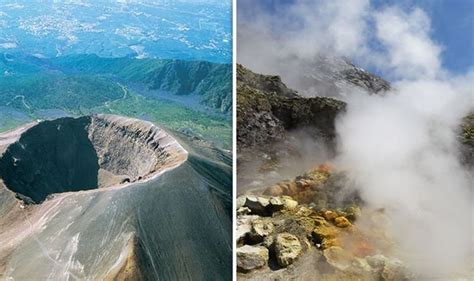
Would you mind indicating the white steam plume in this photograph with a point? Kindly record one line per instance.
(401, 148)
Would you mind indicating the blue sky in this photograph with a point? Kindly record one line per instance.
(452, 24)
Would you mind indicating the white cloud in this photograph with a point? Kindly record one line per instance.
(392, 40)
(303, 31)
(409, 50)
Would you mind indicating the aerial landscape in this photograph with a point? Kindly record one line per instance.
(343, 151)
(115, 140)
(355, 140)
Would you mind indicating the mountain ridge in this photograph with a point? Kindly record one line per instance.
(211, 82)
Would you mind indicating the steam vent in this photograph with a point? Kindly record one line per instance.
(92, 152)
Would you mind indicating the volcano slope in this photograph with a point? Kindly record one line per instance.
(105, 197)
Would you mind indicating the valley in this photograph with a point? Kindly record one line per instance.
(85, 84)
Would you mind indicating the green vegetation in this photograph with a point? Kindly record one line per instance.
(30, 93)
(35, 88)
(215, 129)
(212, 81)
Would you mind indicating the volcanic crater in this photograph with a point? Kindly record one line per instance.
(86, 153)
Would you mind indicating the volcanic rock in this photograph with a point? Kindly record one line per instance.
(244, 226)
(342, 222)
(321, 187)
(325, 236)
(276, 204)
(290, 204)
(243, 211)
(329, 75)
(282, 202)
(287, 248)
(261, 228)
(251, 257)
(240, 201)
(258, 205)
(267, 109)
(329, 215)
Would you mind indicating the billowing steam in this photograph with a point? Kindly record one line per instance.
(401, 148)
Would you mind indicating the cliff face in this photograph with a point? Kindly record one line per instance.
(150, 229)
(268, 115)
(132, 148)
(264, 83)
(267, 109)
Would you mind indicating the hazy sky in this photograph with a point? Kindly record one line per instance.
(452, 23)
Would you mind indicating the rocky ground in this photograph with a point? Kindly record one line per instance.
(311, 227)
(314, 226)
